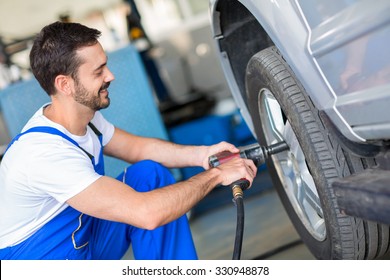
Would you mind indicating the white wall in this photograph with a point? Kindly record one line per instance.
(20, 18)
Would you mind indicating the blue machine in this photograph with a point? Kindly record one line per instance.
(211, 129)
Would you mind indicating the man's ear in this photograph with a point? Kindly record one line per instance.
(64, 84)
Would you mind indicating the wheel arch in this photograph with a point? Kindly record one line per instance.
(236, 28)
(244, 27)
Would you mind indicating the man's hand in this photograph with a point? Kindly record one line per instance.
(236, 169)
(207, 151)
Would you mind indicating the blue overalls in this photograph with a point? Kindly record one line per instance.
(74, 235)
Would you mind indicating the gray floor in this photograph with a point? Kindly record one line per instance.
(268, 232)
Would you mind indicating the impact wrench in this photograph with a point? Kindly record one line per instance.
(258, 154)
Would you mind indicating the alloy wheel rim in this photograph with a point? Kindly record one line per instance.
(291, 166)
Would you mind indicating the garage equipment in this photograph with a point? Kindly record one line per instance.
(258, 154)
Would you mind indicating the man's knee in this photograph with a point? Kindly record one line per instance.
(146, 175)
(147, 164)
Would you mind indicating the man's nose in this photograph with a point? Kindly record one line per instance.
(109, 76)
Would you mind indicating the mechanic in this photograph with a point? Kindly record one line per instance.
(56, 203)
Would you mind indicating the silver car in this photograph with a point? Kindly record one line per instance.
(316, 73)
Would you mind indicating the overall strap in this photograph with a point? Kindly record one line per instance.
(99, 168)
(94, 129)
(50, 130)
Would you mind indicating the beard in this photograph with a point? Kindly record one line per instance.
(91, 99)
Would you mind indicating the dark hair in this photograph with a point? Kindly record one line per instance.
(54, 51)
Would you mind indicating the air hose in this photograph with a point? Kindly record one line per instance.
(239, 202)
(258, 154)
(238, 199)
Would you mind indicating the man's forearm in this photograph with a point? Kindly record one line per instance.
(172, 155)
(132, 148)
(175, 155)
(110, 199)
(171, 202)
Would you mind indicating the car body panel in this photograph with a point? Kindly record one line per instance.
(314, 37)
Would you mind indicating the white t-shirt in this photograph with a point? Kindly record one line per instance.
(41, 171)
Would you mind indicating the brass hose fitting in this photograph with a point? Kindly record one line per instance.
(237, 191)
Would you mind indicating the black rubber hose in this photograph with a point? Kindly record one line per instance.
(239, 227)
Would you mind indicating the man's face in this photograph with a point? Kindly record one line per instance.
(93, 79)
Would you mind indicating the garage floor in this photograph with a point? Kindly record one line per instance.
(268, 232)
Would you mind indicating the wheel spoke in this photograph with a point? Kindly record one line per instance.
(274, 116)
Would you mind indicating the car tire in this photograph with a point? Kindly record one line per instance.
(281, 110)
